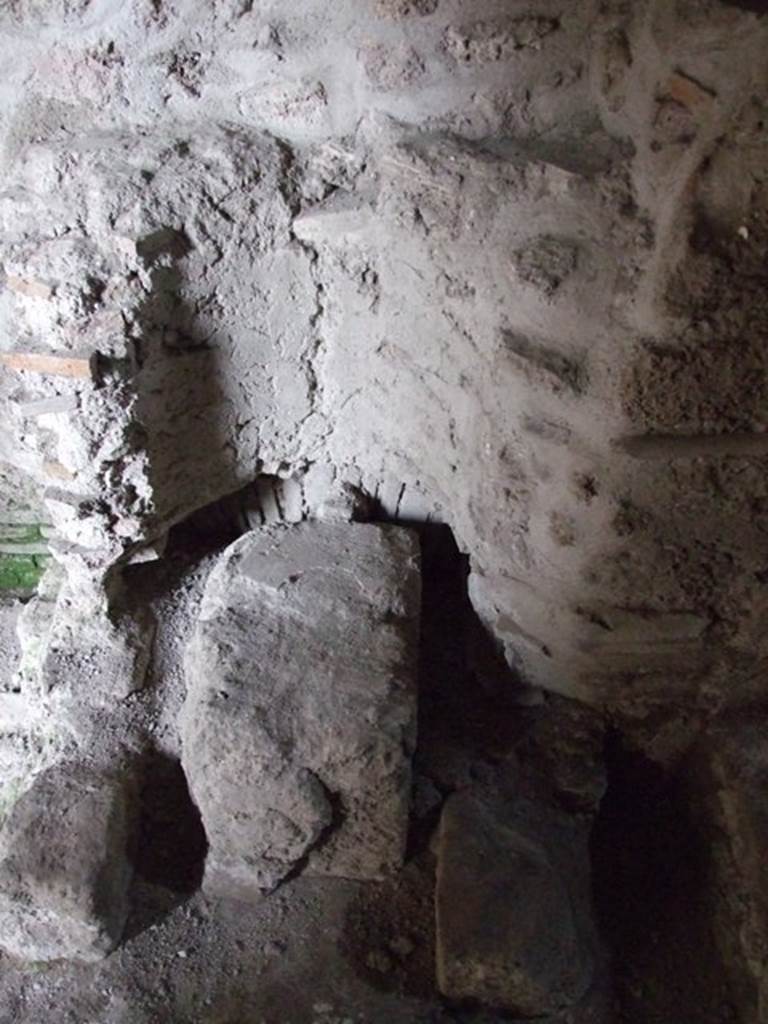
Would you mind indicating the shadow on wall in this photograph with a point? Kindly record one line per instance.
(181, 395)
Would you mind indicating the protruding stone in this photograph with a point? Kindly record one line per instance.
(151, 552)
(542, 365)
(405, 8)
(484, 42)
(615, 60)
(334, 222)
(65, 866)
(546, 263)
(392, 68)
(673, 123)
(508, 929)
(301, 710)
(300, 107)
(566, 743)
(57, 470)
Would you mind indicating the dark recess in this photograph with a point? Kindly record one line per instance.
(651, 897)
(172, 845)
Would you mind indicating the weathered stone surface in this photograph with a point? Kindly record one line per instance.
(90, 659)
(301, 709)
(64, 865)
(727, 777)
(508, 929)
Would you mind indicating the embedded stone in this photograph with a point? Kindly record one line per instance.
(546, 263)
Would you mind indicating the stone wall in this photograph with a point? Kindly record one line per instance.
(498, 266)
(501, 269)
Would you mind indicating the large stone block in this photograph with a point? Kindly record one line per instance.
(509, 932)
(300, 717)
(65, 866)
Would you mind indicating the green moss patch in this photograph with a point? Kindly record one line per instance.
(21, 572)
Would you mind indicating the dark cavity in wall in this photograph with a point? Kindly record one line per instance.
(219, 523)
(170, 852)
(467, 693)
(172, 844)
(651, 896)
